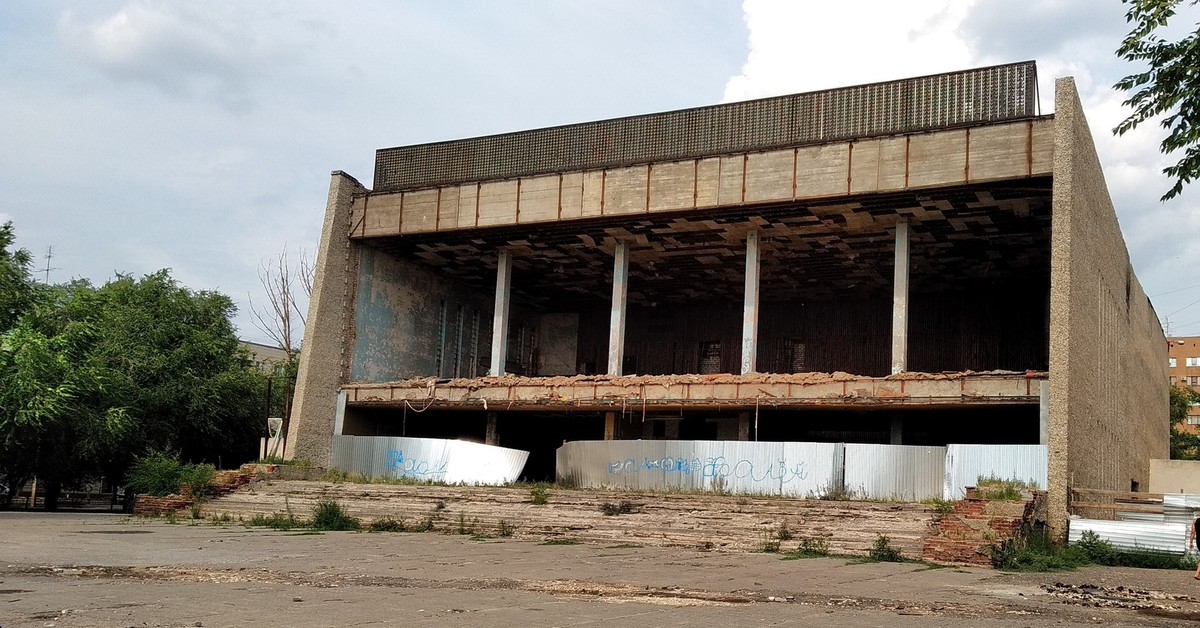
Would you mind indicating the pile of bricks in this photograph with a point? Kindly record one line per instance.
(224, 483)
(965, 535)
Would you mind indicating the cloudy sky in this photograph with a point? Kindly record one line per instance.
(143, 134)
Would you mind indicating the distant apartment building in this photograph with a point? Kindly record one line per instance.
(265, 356)
(1183, 368)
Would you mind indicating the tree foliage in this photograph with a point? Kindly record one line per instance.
(1168, 87)
(1185, 445)
(91, 377)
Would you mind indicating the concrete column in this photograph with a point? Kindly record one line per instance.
(610, 425)
(327, 351)
(743, 426)
(616, 321)
(750, 307)
(500, 314)
(900, 301)
(897, 430)
(1044, 412)
(490, 437)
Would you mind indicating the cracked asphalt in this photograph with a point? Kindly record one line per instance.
(92, 570)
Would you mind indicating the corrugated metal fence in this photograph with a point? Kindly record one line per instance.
(433, 459)
(862, 471)
(965, 464)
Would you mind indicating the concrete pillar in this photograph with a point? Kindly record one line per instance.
(500, 314)
(743, 426)
(750, 307)
(616, 321)
(339, 417)
(490, 437)
(897, 431)
(325, 359)
(1044, 412)
(900, 301)
(610, 425)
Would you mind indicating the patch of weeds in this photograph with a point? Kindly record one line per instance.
(329, 515)
(939, 505)
(621, 508)
(742, 501)
(276, 521)
(425, 525)
(306, 533)
(784, 533)
(559, 542)
(170, 517)
(624, 546)
(1000, 489)
(707, 545)
(439, 505)
(482, 537)
(539, 495)
(197, 506)
(221, 519)
(505, 529)
(882, 551)
(466, 528)
(835, 493)
(809, 548)
(1101, 552)
(1036, 552)
(386, 524)
(768, 544)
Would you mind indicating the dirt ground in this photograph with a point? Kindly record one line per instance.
(64, 570)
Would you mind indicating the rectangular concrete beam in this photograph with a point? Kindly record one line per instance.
(616, 321)
(750, 307)
(500, 314)
(900, 301)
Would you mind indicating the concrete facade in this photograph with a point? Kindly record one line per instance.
(958, 280)
(1108, 362)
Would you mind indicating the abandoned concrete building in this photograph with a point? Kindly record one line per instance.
(919, 262)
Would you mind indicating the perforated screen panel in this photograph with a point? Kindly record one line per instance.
(992, 94)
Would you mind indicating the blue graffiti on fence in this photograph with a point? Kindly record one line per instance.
(409, 466)
(777, 470)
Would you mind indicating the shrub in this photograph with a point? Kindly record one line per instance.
(539, 494)
(386, 524)
(329, 515)
(198, 478)
(425, 525)
(276, 521)
(784, 533)
(882, 551)
(612, 510)
(939, 505)
(157, 473)
(810, 548)
(505, 528)
(1035, 551)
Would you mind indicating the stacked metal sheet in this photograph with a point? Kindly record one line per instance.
(431, 459)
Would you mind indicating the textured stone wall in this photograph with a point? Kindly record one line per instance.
(1108, 355)
(324, 360)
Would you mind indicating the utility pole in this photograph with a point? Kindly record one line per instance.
(48, 268)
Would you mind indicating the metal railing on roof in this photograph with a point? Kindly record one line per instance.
(976, 96)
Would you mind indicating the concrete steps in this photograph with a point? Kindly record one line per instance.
(717, 522)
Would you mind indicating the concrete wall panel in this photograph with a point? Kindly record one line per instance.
(732, 180)
(539, 199)
(382, 215)
(822, 170)
(937, 158)
(448, 208)
(1043, 147)
(999, 153)
(708, 181)
(419, 214)
(878, 165)
(769, 176)
(625, 191)
(672, 186)
(1108, 355)
(498, 203)
(593, 194)
(468, 202)
(572, 195)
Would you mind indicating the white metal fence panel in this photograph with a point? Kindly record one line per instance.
(965, 464)
(903, 472)
(1128, 535)
(432, 459)
(796, 469)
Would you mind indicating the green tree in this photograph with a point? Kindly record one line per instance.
(1185, 445)
(1168, 87)
(16, 286)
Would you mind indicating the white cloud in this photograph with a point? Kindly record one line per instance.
(803, 46)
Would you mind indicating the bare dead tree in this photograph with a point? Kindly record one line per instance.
(281, 319)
